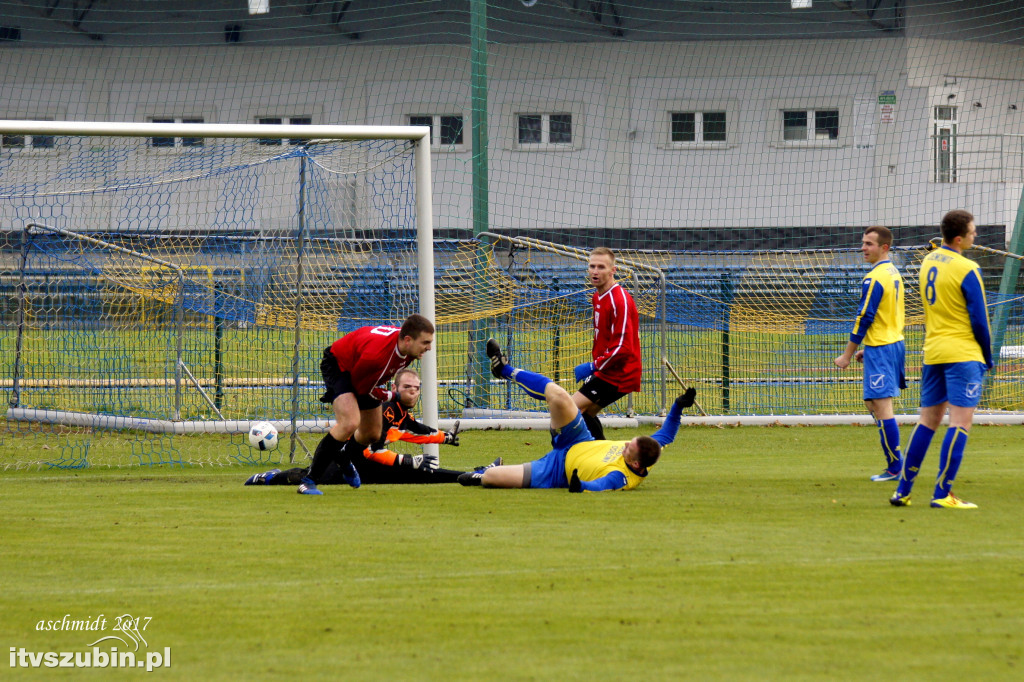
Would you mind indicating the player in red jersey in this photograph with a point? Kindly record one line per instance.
(353, 368)
(615, 368)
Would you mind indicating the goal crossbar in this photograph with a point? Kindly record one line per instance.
(226, 130)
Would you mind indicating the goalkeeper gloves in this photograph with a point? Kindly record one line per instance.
(583, 371)
(575, 485)
(383, 395)
(418, 461)
(452, 437)
(688, 398)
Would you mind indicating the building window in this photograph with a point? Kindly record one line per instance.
(544, 129)
(27, 142)
(279, 120)
(560, 128)
(944, 144)
(801, 125)
(11, 142)
(446, 130)
(697, 126)
(174, 142)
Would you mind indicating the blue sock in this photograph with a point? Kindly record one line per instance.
(531, 382)
(890, 433)
(949, 461)
(920, 439)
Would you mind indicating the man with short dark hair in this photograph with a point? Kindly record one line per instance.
(957, 353)
(577, 461)
(354, 367)
(615, 367)
(879, 326)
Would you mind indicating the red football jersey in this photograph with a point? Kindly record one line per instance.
(370, 355)
(617, 339)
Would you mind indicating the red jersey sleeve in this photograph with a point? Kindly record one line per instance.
(616, 353)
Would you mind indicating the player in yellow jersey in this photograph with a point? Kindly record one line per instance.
(576, 461)
(957, 352)
(879, 326)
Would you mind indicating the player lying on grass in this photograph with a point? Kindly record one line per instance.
(379, 464)
(576, 461)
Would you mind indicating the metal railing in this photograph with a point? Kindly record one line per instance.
(979, 157)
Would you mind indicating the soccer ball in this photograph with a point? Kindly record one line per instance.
(263, 436)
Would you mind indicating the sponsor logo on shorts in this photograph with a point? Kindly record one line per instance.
(877, 380)
(973, 390)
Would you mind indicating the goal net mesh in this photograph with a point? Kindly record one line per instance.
(754, 331)
(154, 288)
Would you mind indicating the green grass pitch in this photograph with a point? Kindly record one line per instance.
(751, 554)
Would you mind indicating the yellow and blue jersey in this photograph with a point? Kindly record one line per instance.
(598, 463)
(955, 317)
(601, 462)
(880, 313)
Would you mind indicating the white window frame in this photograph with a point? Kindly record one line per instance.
(283, 120)
(811, 129)
(545, 110)
(436, 110)
(545, 130)
(436, 144)
(950, 126)
(179, 145)
(776, 129)
(698, 107)
(28, 146)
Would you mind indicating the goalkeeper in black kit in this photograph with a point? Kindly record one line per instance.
(379, 464)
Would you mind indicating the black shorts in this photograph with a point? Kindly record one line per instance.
(337, 382)
(600, 392)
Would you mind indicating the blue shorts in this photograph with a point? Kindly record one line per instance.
(885, 370)
(549, 470)
(957, 382)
